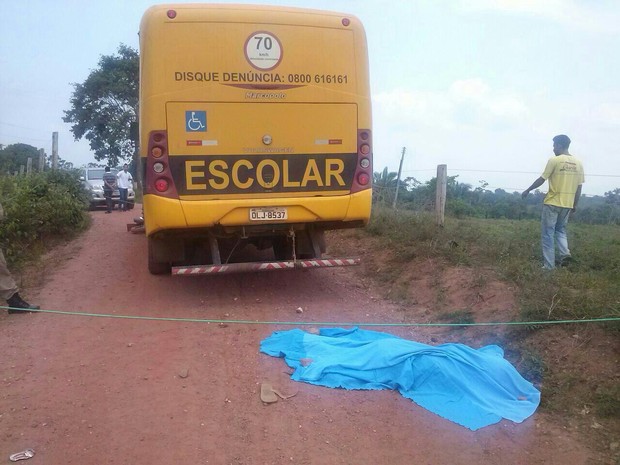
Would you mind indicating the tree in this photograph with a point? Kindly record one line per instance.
(13, 156)
(613, 197)
(384, 185)
(104, 108)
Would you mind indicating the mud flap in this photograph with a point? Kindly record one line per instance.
(215, 251)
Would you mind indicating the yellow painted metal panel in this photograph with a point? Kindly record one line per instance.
(239, 128)
(162, 213)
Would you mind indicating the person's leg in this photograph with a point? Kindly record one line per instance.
(10, 292)
(547, 229)
(8, 288)
(123, 198)
(561, 238)
(108, 200)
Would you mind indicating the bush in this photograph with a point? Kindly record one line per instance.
(40, 207)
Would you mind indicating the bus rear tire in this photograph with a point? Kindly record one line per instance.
(156, 267)
(282, 248)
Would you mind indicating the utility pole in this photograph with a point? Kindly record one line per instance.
(54, 150)
(400, 168)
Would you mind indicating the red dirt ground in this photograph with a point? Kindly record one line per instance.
(92, 390)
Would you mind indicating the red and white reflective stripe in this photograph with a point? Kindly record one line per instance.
(263, 266)
(329, 262)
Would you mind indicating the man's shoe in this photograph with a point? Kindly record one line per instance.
(566, 260)
(19, 305)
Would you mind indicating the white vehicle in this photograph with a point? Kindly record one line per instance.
(92, 178)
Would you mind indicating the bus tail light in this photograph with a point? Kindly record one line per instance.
(161, 185)
(158, 177)
(363, 170)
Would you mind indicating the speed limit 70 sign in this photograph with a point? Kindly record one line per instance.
(263, 50)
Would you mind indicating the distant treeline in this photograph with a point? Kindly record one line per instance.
(14, 159)
(463, 200)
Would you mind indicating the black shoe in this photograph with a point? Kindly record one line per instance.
(19, 305)
(566, 261)
(108, 212)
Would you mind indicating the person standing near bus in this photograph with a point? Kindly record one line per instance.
(565, 175)
(8, 288)
(125, 181)
(109, 184)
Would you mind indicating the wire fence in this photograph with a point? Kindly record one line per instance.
(489, 186)
(462, 199)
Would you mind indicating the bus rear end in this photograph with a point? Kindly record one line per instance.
(255, 129)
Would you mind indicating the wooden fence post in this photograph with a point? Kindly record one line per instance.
(440, 198)
(41, 160)
(54, 150)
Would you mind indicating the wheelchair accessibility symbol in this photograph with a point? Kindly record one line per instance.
(196, 121)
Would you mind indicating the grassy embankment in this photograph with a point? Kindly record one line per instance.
(588, 288)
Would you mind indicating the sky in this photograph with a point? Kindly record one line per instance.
(481, 86)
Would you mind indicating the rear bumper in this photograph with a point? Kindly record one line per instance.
(163, 214)
(263, 266)
(98, 200)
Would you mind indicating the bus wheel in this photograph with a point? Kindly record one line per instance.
(282, 248)
(155, 266)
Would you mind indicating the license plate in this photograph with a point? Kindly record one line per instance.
(268, 214)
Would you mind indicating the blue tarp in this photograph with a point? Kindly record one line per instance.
(471, 387)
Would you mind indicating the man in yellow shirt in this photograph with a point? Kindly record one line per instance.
(565, 175)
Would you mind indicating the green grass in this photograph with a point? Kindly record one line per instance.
(607, 401)
(588, 288)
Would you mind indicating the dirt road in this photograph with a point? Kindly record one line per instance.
(91, 390)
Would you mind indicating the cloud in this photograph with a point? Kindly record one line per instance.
(600, 16)
(469, 102)
(607, 114)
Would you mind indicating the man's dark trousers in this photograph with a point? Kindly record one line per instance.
(108, 199)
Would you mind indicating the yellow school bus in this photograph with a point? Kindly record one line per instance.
(255, 128)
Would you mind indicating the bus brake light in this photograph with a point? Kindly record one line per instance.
(161, 185)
